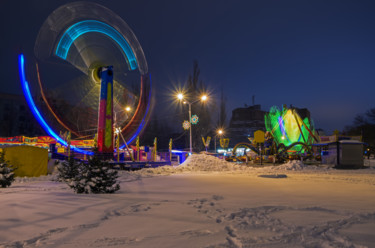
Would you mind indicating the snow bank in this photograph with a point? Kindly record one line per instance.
(203, 162)
(195, 163)
(208, 163)
(34, 179)
(292, 165)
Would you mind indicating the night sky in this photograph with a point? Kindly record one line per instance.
(311, 54)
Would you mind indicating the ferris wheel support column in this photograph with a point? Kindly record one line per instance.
(105, 118)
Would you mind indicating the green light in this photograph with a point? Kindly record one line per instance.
(287, 127)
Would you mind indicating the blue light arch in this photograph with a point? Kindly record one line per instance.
(88, 26)
(35, 110)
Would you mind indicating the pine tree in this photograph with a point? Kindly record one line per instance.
(94, 177)
(68, 170)
(6, 172)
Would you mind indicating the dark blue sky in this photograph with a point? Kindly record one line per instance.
(313, 54)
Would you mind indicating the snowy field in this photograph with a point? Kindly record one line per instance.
(205, 202)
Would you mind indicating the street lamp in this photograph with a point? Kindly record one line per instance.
(219, 132)
(127, 110)
(118, 131)
(180, 97)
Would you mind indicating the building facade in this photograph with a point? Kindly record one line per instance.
(244, 122)
(16, 118)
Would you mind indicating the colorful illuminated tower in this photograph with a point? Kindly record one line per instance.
(105, 119)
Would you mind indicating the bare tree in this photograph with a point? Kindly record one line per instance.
(223, 111)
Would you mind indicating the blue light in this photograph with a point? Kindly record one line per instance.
(178, 151)
(87, 26)
(35, 111)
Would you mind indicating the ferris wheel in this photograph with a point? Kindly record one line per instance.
(62, 82)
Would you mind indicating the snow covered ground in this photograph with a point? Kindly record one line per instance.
(205, 202)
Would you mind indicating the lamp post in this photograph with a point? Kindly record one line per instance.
(180, 97)
(219, 132)
(118, 130)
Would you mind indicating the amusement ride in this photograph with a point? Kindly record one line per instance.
(287, 135)
(87, 65)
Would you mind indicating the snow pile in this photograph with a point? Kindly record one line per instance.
(203, 162)
(195, 162)
(291, 165)
(35, 179)
(208, 163)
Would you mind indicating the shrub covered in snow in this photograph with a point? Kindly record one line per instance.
(68, 170)
(6, 172)
(95, 177)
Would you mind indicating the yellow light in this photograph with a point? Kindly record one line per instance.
(180, 96)
(204, 98)
(220, 131)
(127, 109)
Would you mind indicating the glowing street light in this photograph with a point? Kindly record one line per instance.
(127, 109)
(118, 133)
(117, 128)
(219, 132)
(180, 97)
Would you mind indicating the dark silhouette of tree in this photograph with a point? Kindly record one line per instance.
(359, 120)
(223, 111)
(371, 115)
(364, 125)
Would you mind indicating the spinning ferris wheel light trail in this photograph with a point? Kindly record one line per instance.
(35, 111)
(73, 46)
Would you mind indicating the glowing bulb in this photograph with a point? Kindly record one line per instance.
(180, 96)
(127, 109)
(204, 97)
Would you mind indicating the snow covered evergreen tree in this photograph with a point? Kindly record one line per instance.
(6, 172)
(68, 170)
(94, 177)
(101, 178)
